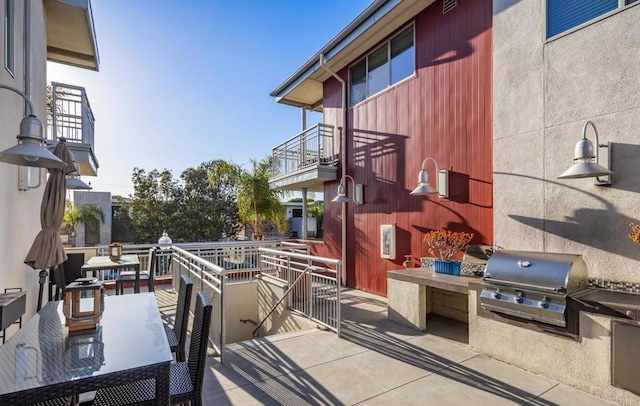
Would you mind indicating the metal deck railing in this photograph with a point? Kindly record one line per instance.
(313, 285)
(311, 147)
(70, 116)
(213, 266)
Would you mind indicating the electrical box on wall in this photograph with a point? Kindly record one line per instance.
(388, 241)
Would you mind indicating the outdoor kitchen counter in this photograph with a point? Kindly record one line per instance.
(426, 276)
(407, 294)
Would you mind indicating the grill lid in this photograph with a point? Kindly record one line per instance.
(559, 273)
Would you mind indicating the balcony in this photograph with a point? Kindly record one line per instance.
(70, 116)
(307, 160)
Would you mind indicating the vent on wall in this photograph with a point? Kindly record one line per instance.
(448, 5)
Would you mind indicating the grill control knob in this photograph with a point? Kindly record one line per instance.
(543, 303)
(496, 295)
(518, 299)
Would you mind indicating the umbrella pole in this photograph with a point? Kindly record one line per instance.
(43, 277)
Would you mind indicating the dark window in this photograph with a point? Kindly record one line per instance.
(378, 71)
(9, 35)
(358, 80)
(387, 65)
(402, 56)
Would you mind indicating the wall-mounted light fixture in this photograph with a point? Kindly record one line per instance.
(341, 197)
(586, 164)
(424, 188)
(31, 149)
(74, 182)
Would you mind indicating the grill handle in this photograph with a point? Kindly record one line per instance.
(523, 285)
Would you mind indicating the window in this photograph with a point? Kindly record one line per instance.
(387, 65)
(402, 56)
(563, 15)
(9, 35)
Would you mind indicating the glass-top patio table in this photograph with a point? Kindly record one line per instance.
(43, 361)
(126, 262)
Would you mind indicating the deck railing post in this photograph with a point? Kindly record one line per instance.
(223, 299)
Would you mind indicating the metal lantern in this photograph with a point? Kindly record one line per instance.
(83, 304)
(115, 252)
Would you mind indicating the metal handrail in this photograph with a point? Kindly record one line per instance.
(316, 299)
(273, 308)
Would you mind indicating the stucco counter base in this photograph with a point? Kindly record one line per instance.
(407, 293)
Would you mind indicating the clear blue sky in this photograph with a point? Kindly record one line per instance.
(185, 82)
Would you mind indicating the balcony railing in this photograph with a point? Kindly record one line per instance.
(70, 115)
(311, 147)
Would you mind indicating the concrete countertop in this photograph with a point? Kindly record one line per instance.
(426, 276)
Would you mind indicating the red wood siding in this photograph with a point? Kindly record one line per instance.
(443, 112)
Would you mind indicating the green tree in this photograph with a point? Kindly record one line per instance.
(88, 214)
(256, 201)
(206, 210)
(223, 177)
(152, 204)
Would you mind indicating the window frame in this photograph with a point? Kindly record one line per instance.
(622, 6)
(365, 58)
(9, 28)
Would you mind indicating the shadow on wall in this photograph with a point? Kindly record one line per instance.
(584, 225)
(500, 5)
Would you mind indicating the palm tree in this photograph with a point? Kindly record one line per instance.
(256, 201)
(89, 214)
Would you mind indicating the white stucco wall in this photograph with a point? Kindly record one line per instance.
(20, 211)
(543, 94)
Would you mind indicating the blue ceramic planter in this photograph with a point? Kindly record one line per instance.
(447, 267)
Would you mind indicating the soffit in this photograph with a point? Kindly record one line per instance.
(71, 35)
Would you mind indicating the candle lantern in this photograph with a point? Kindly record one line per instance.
(83, 304)
(115, 251)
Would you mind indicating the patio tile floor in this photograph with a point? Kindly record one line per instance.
(376, 362)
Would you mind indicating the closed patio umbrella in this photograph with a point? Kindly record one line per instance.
(47, 251)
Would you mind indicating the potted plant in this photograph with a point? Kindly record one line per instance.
(635, 232)
(444, 245)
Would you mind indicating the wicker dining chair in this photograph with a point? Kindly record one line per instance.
(148, 275)
(177, 335)
(186, 377)
(71, 269)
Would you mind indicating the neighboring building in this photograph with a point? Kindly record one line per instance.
(497, 92)
(417, 81)
(32, 33)
(554, 68)
(89, 236)
(547, 84)
(293, 213)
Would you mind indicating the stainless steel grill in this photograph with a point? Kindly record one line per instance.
(533, 285)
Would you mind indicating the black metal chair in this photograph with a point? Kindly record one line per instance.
(148, 275)
(177, 335)
(186, 377)
(65, 273)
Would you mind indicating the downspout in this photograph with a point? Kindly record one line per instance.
(27, 51)
(305, 228)
(24, 173)
(343, 158)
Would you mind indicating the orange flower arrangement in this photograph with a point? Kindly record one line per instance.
(635, 232)
(445, 243)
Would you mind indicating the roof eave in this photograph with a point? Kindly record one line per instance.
(71, 37)
(382, 18)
